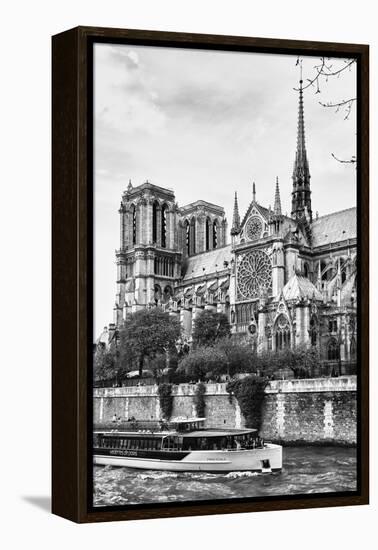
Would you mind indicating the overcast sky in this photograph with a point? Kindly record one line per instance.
(207, 124)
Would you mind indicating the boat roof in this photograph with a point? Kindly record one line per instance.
(215, 433)
(178, 420)
(194, 433)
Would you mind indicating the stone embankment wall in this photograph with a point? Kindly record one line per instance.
(320, 410)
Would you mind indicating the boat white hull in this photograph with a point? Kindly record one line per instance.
(205, 461)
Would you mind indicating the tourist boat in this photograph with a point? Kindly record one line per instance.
(184, 445)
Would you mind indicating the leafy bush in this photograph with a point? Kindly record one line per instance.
(203, 363)
(165, 400)
(249, 392)
(199, 399)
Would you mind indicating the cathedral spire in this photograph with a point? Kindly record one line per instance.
(277, 200)
(301, 194)
(236, 217)
(253, 192)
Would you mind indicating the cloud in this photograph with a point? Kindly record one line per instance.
(207, 123)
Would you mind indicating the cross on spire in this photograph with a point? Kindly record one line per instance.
(254, 192)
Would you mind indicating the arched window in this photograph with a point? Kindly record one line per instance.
(353, 348)
(343, 276)
(305, 269)
(332, 325)
(215, 234)
(155, 207)
(333, 350)
(207, 234)
(282, 332)
(192, 248)
(164, 226)
(187, 236)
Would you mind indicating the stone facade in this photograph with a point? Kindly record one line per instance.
(296, 412)
(283, 280)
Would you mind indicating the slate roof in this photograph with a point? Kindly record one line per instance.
(209, 260)
(334, 227)
(300, 287)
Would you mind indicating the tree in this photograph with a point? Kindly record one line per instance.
(302, 361)
(306, 359)
(239, 355)
(104, 365)
(203, 363)
(148, 334)
(210, 327)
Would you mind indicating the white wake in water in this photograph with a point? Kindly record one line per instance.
(236, 475)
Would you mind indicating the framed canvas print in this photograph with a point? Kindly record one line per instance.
(210, 274)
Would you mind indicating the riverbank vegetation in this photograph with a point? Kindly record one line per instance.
(249, 393)
(150, 349)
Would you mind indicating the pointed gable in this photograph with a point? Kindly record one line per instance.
(255, 209)
(299, 287)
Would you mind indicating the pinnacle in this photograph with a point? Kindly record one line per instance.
(277, 200)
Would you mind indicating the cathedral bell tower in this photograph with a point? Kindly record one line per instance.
(148, 260)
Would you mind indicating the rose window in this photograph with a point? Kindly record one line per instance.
(254, 228)
(254, 274)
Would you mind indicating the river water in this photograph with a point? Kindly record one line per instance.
(305, 470)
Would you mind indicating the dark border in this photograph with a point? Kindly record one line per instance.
(72, 203)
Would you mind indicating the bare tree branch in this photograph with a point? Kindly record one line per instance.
(347, 103)
(323, 71)
(352, 160)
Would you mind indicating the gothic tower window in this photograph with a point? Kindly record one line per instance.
(332, 350)
(154, 221)
(305, 269)
(207, 234)
(282, 332)
(134, 223)
(215, 234)
(192, 239)
(187, 236)
(164, 226)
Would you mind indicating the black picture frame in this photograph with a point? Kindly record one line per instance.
(72, 159)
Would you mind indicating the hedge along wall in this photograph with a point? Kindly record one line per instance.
(319, 410)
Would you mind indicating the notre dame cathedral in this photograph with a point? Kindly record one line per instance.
(282, 281)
